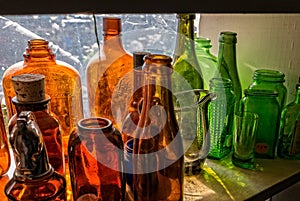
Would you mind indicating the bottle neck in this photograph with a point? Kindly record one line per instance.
(227, 59)
(112, 42)
(38, 50)
(39, 106)
(184, 37)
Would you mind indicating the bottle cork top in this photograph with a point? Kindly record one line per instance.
(29, 87)
(112, 25)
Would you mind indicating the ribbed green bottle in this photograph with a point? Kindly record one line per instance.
(187, 73)
(289, 131)
(227, 65)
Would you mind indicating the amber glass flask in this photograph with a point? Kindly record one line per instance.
(62, 82)
(30, 96)
(158, 150)
(107, 97)
(4, 149)
(34, 178)
(96, 160)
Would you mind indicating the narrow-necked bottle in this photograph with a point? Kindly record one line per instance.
(227, 64)
(132, 118)
(221, 113)
(289, 132)
(264, 103)
(96, 160)
(34, 178)
(270, 79)
(30, 96)
(63, 85)
(187, 73)
(108, 97)
(206, 59)
(157, 150)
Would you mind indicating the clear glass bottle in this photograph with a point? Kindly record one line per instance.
(227, 65)
(157, 150)
(34, 178)
(63, 85)
(221, 113)
(5, 159)
(270, 80)
(187, 72)
(289, 131)
(132, 118)
(30, 96)
(264, 103)
(107, 97)
(95, 161)
(206, 59)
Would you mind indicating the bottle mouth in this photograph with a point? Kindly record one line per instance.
(220, 82)
(269, 75)
(186, 16)
(95, 124)
(228, 37)
(158, 64)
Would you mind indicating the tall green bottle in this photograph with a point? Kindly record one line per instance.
(289, 131)
(187, 73)
(227, 66)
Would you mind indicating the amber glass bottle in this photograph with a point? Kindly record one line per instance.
(30, 96)
(95, 161)
(132, 118)
(4, 149)
(158, 149)
(34, 177)
(107, 97)
(63, 85)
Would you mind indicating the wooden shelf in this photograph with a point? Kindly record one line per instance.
(20, 7)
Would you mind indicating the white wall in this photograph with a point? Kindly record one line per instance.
(264, 41)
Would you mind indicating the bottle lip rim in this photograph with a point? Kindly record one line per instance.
(269, 75)
(94, 123)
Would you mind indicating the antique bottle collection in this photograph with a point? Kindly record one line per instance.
(153, 119)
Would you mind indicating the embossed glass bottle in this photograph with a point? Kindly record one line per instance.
(96, 160)
(30, 96)
(289, 131)
(227, 65)
(221, 113)
(187, 72)
(157, 151)
(107, 97)
(269, 79)
(206, 59)
(34, 178)
(264, 103)
(63, 85)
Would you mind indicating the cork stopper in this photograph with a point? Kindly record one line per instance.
(29, 87)
(112, 25)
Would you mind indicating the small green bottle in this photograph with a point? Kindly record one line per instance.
(221, 113)
(206, 59)
(271, 80)
(227, 65)
(187, 73)
(264, 103)
(289, 131)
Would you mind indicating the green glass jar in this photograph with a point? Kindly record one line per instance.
(270, 80)
(221, 113)
(265, 104)
(289, 131)
(206, 60)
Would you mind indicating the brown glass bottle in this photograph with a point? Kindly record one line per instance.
(132, 118)
(34, 178)
(95, 161)
(30, 96)
(4, 149)
(63, 85)
(107, 97)
(157, 150)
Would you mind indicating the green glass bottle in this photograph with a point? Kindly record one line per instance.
(227, 66)
(187, 73)
(206, 59)
(265, 104)
(221, 113)
(272, 80)
(289, 131)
